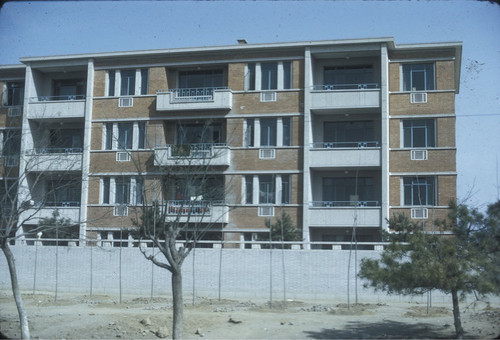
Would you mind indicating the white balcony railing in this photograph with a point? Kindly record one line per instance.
(344, 214)
(341, 154)
(220, 98)
(338, 96)
(54, 159)
(197, 211)
(67, 210)
(72, 106)
(213, 154)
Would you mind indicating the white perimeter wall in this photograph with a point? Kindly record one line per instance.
(243, 273)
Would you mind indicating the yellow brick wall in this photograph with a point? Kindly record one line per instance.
(157, 79)
(141, 161)
(246, 103)
(437, 102)
(144, 107)
(438, 160)
(99, 83)
(248, 159)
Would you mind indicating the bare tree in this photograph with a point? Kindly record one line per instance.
(182, 205)
(22, 199)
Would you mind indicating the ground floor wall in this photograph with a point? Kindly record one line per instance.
(213, 273)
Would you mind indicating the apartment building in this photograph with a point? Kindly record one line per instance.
(339, 134)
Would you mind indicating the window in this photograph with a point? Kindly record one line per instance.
(269, 76)
(250, 77)
(272, 76)
(69, 89)
(201, 79)
(142, 135)
(419, 190)
(11, 143)
(127, 82)
(267, 189)
(268, 132)
(66, 140)
(106, 190)
(65, 192)
(348, 190)
(344, 134)
(139, 190)
(419, 133)
(108, 136)
(13, 94)
(418, 77)
(111, 83)
(122, 190)
(287, 131)
(347, 77)
(144, 80)
(286, 188)
(249, 133)
(125, 133)
(199, 133)
(287, 75)
(249, 189)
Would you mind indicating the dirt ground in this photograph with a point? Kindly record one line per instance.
(103, 317)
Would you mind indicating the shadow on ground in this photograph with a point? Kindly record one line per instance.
(384, 330)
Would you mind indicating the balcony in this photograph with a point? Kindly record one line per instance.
(206, 98)
(197, 211)
(344, 214)
(344, 154)
(67, 210)
(213, 154)
(340, 96)
(54, 159)
(50, 107)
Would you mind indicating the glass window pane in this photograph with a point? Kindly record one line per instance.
(249, 135)
(266, 189)
(144, 80)
(125, 135)
(268, 132)
(248, 189)
(269, 76)
(285, 189)
(128, 83)
(122, 193)
(250, 77)
(111, 83)
(105, 190)
(142, 135)
(287, 75)
(287, 131)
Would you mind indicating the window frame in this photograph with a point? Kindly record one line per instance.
(412, 183)
(408, 70)
(409, 126)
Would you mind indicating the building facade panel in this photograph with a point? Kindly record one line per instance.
(437, 103)
(437, 161)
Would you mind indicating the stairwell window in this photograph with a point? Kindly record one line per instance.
(419, 133)
(418, 77)
(419, 190)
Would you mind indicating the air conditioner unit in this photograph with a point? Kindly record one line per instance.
(267, 153)
(126, 102)
(122, 156)
(419, 213)
(266, 211)
(418, 97)
(14, 111)
(418, 155)
(11, 161)
(268, 96)
(120, 210)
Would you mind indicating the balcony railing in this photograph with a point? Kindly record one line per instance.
(334, 87)
(193, 154)
(186, 95)
(61, 204)
(332, 145)
(195, 208)
(57, 98)
(45, 151)
(194, 99)
(350, 204)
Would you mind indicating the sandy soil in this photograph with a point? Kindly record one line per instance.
(101, 317)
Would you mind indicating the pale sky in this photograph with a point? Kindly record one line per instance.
(47, 28)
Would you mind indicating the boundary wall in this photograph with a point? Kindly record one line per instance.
(211, 273)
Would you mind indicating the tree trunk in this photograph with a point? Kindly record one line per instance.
(456, 315)
(178, 305)
(23, 316)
